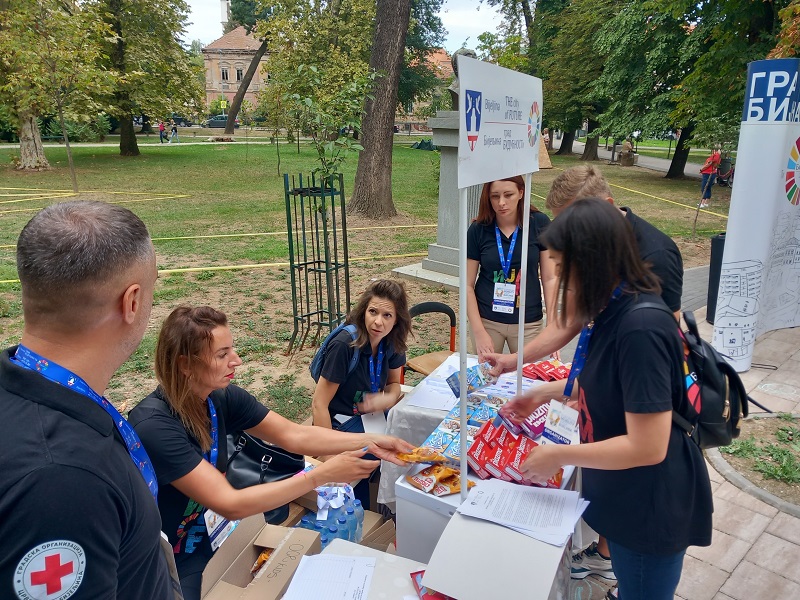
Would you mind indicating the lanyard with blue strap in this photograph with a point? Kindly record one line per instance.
(375, 371)
(211, 455)
(505, 263)
(582, 348)
(28, 359)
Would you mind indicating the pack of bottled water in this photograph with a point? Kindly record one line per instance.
(339, 515)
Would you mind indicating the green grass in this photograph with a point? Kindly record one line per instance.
(204, 190)
(775, 458)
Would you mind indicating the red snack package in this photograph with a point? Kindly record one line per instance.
(561, 372)
(529, 371)
(513, 467)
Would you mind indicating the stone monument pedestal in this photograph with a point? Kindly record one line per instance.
(441, 265)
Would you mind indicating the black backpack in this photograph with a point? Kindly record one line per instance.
(717, 398)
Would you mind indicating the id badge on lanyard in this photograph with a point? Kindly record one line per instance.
(504, 299)
(218, 527)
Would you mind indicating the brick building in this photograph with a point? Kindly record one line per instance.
(226, 60)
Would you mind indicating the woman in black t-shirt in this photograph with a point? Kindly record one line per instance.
(382, 325)
(494, 258)
(646, 481)
(186, 439)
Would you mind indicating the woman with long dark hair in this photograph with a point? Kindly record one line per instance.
(645, 479)
(382, 324)
(183, 425)
(494, 258)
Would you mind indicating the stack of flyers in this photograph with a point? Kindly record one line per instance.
(477, 377)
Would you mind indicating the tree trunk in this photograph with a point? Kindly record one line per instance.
(678, 164)
(567, 138)
(128, 145)
(31, 152)
(147, 127)
(372, 192)
(236, 103)
(590, 148)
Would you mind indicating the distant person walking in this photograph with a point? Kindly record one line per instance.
(174, 133)
(709, 173)
(162, 131)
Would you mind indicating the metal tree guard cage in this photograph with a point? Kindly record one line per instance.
(318, 256)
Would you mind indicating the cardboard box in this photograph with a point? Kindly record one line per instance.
(380, 537)
(271, 582)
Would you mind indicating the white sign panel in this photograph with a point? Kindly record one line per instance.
(500, 122)
(760, 282)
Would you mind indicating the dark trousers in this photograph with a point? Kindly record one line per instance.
(645, 576)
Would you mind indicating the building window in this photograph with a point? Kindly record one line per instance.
(224, 74)
(239, 74)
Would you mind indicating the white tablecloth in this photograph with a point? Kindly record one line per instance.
(413, 424)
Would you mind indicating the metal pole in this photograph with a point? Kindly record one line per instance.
(523, 275)
(462, 331)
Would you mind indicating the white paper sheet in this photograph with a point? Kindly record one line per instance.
(545, 514)
(331, 577)
(374, 422)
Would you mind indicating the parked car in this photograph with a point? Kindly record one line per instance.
(181, 121)
(218, 122)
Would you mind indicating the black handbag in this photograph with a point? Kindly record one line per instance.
(252, 462)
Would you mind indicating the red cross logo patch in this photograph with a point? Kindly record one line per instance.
(50, 571)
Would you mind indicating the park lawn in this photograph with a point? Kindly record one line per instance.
(234, 188)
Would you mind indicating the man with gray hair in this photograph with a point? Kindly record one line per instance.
(78, 517)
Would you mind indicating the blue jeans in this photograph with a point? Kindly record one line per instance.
(645, 576)
(708, 178)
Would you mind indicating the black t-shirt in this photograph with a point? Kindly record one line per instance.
(482, 247)
(635, 364)
(75, 512)
(175, 453)
(658, 249)
(338, 355)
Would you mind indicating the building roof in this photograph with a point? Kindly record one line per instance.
(440, 60)
(237, 39)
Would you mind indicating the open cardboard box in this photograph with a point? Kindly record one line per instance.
(227, 575)
(236, 582)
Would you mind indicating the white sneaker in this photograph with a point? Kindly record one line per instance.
(703, 205)
(590, 562)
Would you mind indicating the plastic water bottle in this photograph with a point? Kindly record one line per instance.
(305, 523)
(318, 526)
(344, 530)
(352, 523)
(324, 541)
(333, 532)
(359, 511)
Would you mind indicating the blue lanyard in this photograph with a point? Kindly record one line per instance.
(211, 455)
(28, 359)
(582, 349)
(375, 372)
(505, 263)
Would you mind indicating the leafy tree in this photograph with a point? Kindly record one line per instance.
(327, 118)
(418, 77)
(155, 75)
(648, 52)
(789, 37)
(246, 13)
(372, 193)
(568, 91)
(52, 51)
